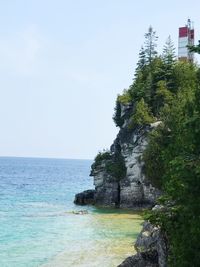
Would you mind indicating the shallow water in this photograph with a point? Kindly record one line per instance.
(106, 241)
(37, 223)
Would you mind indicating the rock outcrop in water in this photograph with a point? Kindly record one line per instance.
(131, 189)
(85, 198)
(120, 181)
(151, 247)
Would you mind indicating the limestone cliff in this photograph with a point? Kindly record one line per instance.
(131, 189)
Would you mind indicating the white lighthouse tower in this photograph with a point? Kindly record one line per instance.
(186, 37)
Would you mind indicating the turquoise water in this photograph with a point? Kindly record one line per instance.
(37, 223)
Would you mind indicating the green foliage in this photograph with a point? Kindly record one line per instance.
(125, 98)
(150, 44)
(152, 156)
(114, 164)
(162, 96)
(141, 116)
(105, 155)
(155, 79)
(195, 48)
(167, 90)
(116, 167)
(119, 121)
(142, 60)
(184, 76)
(169, 52)
(172, 161)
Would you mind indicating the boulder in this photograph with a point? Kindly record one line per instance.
(85, 197)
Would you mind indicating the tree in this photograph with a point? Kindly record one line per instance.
(169, 52)
(142, 60)
(119, 121)
(150, 44)
(172, 161)
(142, 115)
(195, 48)
(169, 60)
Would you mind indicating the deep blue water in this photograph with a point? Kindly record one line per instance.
(37, 223)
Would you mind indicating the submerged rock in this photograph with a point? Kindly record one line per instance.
(80, 212)
(85, 197)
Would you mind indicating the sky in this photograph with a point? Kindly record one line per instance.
(63, 63)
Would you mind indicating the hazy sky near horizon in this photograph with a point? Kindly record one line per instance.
(62, 64)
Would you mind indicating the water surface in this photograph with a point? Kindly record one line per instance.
(37, 223)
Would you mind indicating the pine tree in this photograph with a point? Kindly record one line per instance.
(142, 60)
(195, 48)
(169, 52)
(169, 59)
(150, 44)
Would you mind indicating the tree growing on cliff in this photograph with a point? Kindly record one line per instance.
(142, 60)
(167, 90)
(141, 116)
(173, 158)
(169, 59)
(119, 121)
(168, 54)
(150, 45)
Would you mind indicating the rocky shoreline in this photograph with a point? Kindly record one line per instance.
(151, 247)
(129, 190)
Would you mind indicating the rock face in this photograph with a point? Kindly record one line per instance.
(106, 187)
(132, 190)
(135, 190)
(151, 249)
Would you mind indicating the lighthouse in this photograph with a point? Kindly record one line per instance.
(186, 38)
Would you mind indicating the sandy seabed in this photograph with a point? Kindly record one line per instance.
(113, 239)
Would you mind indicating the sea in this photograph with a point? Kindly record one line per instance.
(41, 226)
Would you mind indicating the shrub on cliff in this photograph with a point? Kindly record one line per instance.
(105, 155)
(101, 156)
(125, 98)
(116, 168)
(113, 163)
(119, 121)
(141, 116)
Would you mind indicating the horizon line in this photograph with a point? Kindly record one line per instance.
(39, 157)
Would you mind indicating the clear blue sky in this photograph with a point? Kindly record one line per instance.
(62, 64)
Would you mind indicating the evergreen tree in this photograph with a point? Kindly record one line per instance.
(169, 52)
(195, 48)
(150, 44)
(117, 115)
(172, 161)
(142, 60)
(169, 60)
(142, 115)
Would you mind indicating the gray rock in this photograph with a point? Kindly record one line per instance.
(140, 260)
(133, 190)
(151, 247)
(85, 197)
(152, 239)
